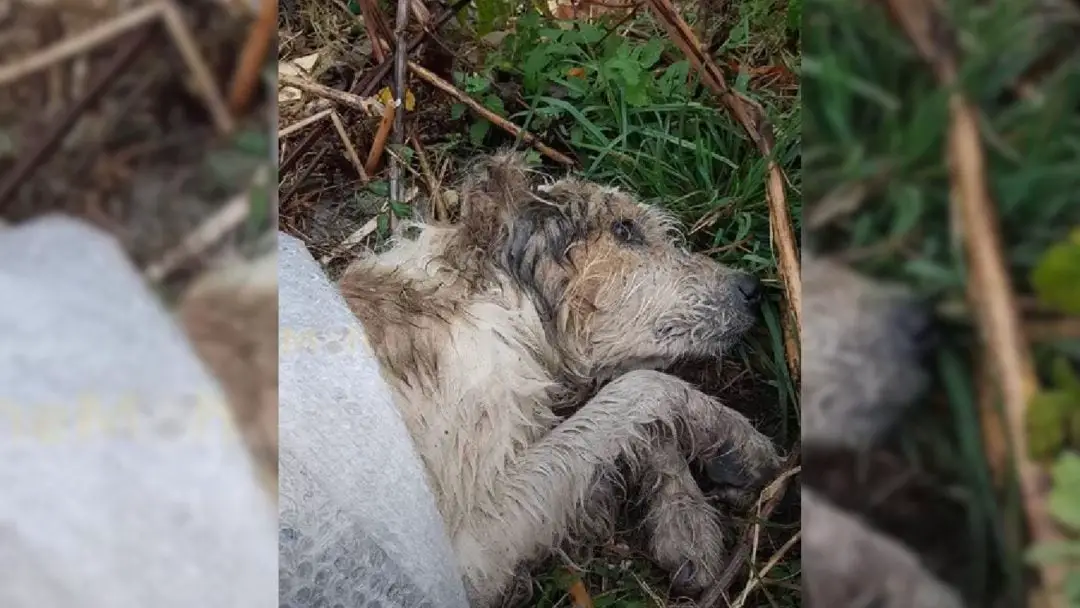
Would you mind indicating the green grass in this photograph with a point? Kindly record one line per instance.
(876, 120)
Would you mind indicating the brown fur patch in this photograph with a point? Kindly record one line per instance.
(231, 318)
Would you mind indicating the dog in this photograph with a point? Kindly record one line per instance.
(867, 540)
(230, 316)
(522, 345)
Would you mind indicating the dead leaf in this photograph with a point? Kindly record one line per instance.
(386, 97)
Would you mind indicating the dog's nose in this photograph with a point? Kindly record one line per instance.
(913, 320)
(749, 287)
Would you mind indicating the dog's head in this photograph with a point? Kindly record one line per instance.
(864, 343)
(607, 272)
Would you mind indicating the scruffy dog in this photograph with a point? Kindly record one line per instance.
(231, 317)
(521, 345)
(865, 539)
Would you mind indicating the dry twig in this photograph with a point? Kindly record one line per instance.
(434, 185)
(494, 118)
(769, 565)
(356, 102)
(350, 151)
(30, 161)
(215, 228)
(303, 123)
(400, 51)
(751, 116)
(364, 87)
(379, 144)
(995, 307)
(716, 595)
(246, 75)
(79, 44)
(196, 64)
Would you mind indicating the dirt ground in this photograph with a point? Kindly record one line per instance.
(138, 152)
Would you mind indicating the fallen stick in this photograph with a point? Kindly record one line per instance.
(494, 118)
(227, 219)
(336, 95)
(996, 306)
(300, 124)
(379, 145)
(196, 64)
(434, 185)
(31, 160)
(771, 496)
(769, 565)
(398, 133)
(366, 86)
(350, 151)
(246, 75)
(751, 116)
(80, 43)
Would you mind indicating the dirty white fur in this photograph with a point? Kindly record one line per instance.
(851, 565)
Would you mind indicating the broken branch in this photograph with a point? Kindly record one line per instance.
(494, 118)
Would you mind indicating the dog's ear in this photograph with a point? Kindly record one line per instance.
(494, 190)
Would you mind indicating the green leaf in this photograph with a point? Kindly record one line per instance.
(457, 111)
(1054, 552)
(1072, 588)
(535, 63)
(636, 95)
(1064, 501)
(478, 131)
(1047, 415)
(401, 210)
(590, 34)
(1056, 278)
(1064, 376)
(379, 187)
(382, 225)
(495, 104)
(650, 53)
(252, 141)
(576, 135)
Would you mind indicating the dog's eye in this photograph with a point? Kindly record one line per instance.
(626, 231)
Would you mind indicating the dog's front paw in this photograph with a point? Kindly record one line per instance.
(741, 472)
(687, 541)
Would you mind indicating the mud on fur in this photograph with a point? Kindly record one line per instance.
(521, 345)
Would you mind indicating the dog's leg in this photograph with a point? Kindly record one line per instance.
(540, 498)
(685, 534)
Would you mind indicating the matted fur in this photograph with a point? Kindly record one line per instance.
(231, 317)
(863, 341)
(521, 345)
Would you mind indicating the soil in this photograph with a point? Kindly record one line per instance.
(144, 161)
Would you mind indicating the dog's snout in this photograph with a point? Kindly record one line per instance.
(913, 319)
(749, 287)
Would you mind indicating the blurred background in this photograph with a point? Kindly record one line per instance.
(150, 120)
(922, 120)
